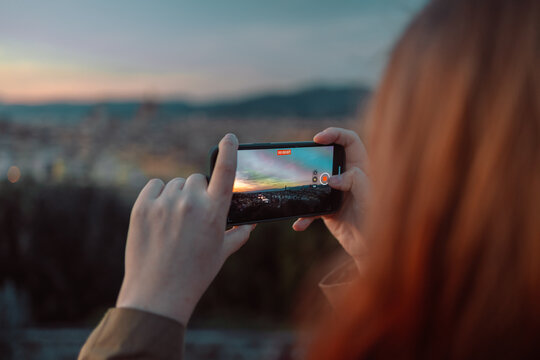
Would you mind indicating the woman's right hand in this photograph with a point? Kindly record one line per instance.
(177, 241)
(346, 224)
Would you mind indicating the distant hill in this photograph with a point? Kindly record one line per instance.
(313, 102)
(316, 102)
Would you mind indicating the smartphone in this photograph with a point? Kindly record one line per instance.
(276, 181)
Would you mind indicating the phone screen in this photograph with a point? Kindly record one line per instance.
(283, 182)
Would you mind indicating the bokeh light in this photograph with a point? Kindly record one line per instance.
(13, 174)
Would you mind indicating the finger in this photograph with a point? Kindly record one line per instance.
(150, 191)
(196, 183)
(236, 237)
(173, 187)
(351, 180)
(222, 180)
(303, 223)
(355, 151)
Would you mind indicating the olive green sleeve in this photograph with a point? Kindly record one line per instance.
(135, 334)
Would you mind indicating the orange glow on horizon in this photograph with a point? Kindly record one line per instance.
(245, 186)
(242, 186)
(40, 82)
(32, 80)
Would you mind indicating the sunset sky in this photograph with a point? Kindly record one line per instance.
(94, 50)
(263, 169)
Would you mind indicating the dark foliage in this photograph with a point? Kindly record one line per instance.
(63, 245)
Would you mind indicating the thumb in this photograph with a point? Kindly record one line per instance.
(235, 238)
(351, 180)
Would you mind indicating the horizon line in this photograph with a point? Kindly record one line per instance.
(188, 99)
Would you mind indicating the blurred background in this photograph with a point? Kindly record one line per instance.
(98, 97)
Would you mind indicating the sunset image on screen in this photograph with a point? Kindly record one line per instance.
(265, 169)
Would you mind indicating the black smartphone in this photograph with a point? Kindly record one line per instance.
(276, 181)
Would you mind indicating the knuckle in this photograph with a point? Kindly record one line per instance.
(227, 169)
(188, 204)
(196, 180)
(156, 181)
(159, 209)
(357, 175)
(352, 134)
(139, 211)
(226, 194)
(177, 180)
(176, 183)
(356, 172)
(197, 177)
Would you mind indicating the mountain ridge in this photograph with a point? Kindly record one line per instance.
(312, 102)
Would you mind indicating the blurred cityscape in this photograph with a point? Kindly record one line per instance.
(125, 143)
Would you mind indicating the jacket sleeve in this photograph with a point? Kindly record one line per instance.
(130, 333)
(135, 334)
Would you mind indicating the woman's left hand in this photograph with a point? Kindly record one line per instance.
(177, 241)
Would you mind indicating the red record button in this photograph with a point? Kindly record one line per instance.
(324, 178)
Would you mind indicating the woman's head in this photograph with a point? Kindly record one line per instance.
(454, 223)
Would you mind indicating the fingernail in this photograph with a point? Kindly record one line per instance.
(231, 137)
(335, 180)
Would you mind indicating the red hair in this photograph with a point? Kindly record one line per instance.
(454, 223)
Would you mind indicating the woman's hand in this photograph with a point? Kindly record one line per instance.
(177, 241)
(345, 225)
